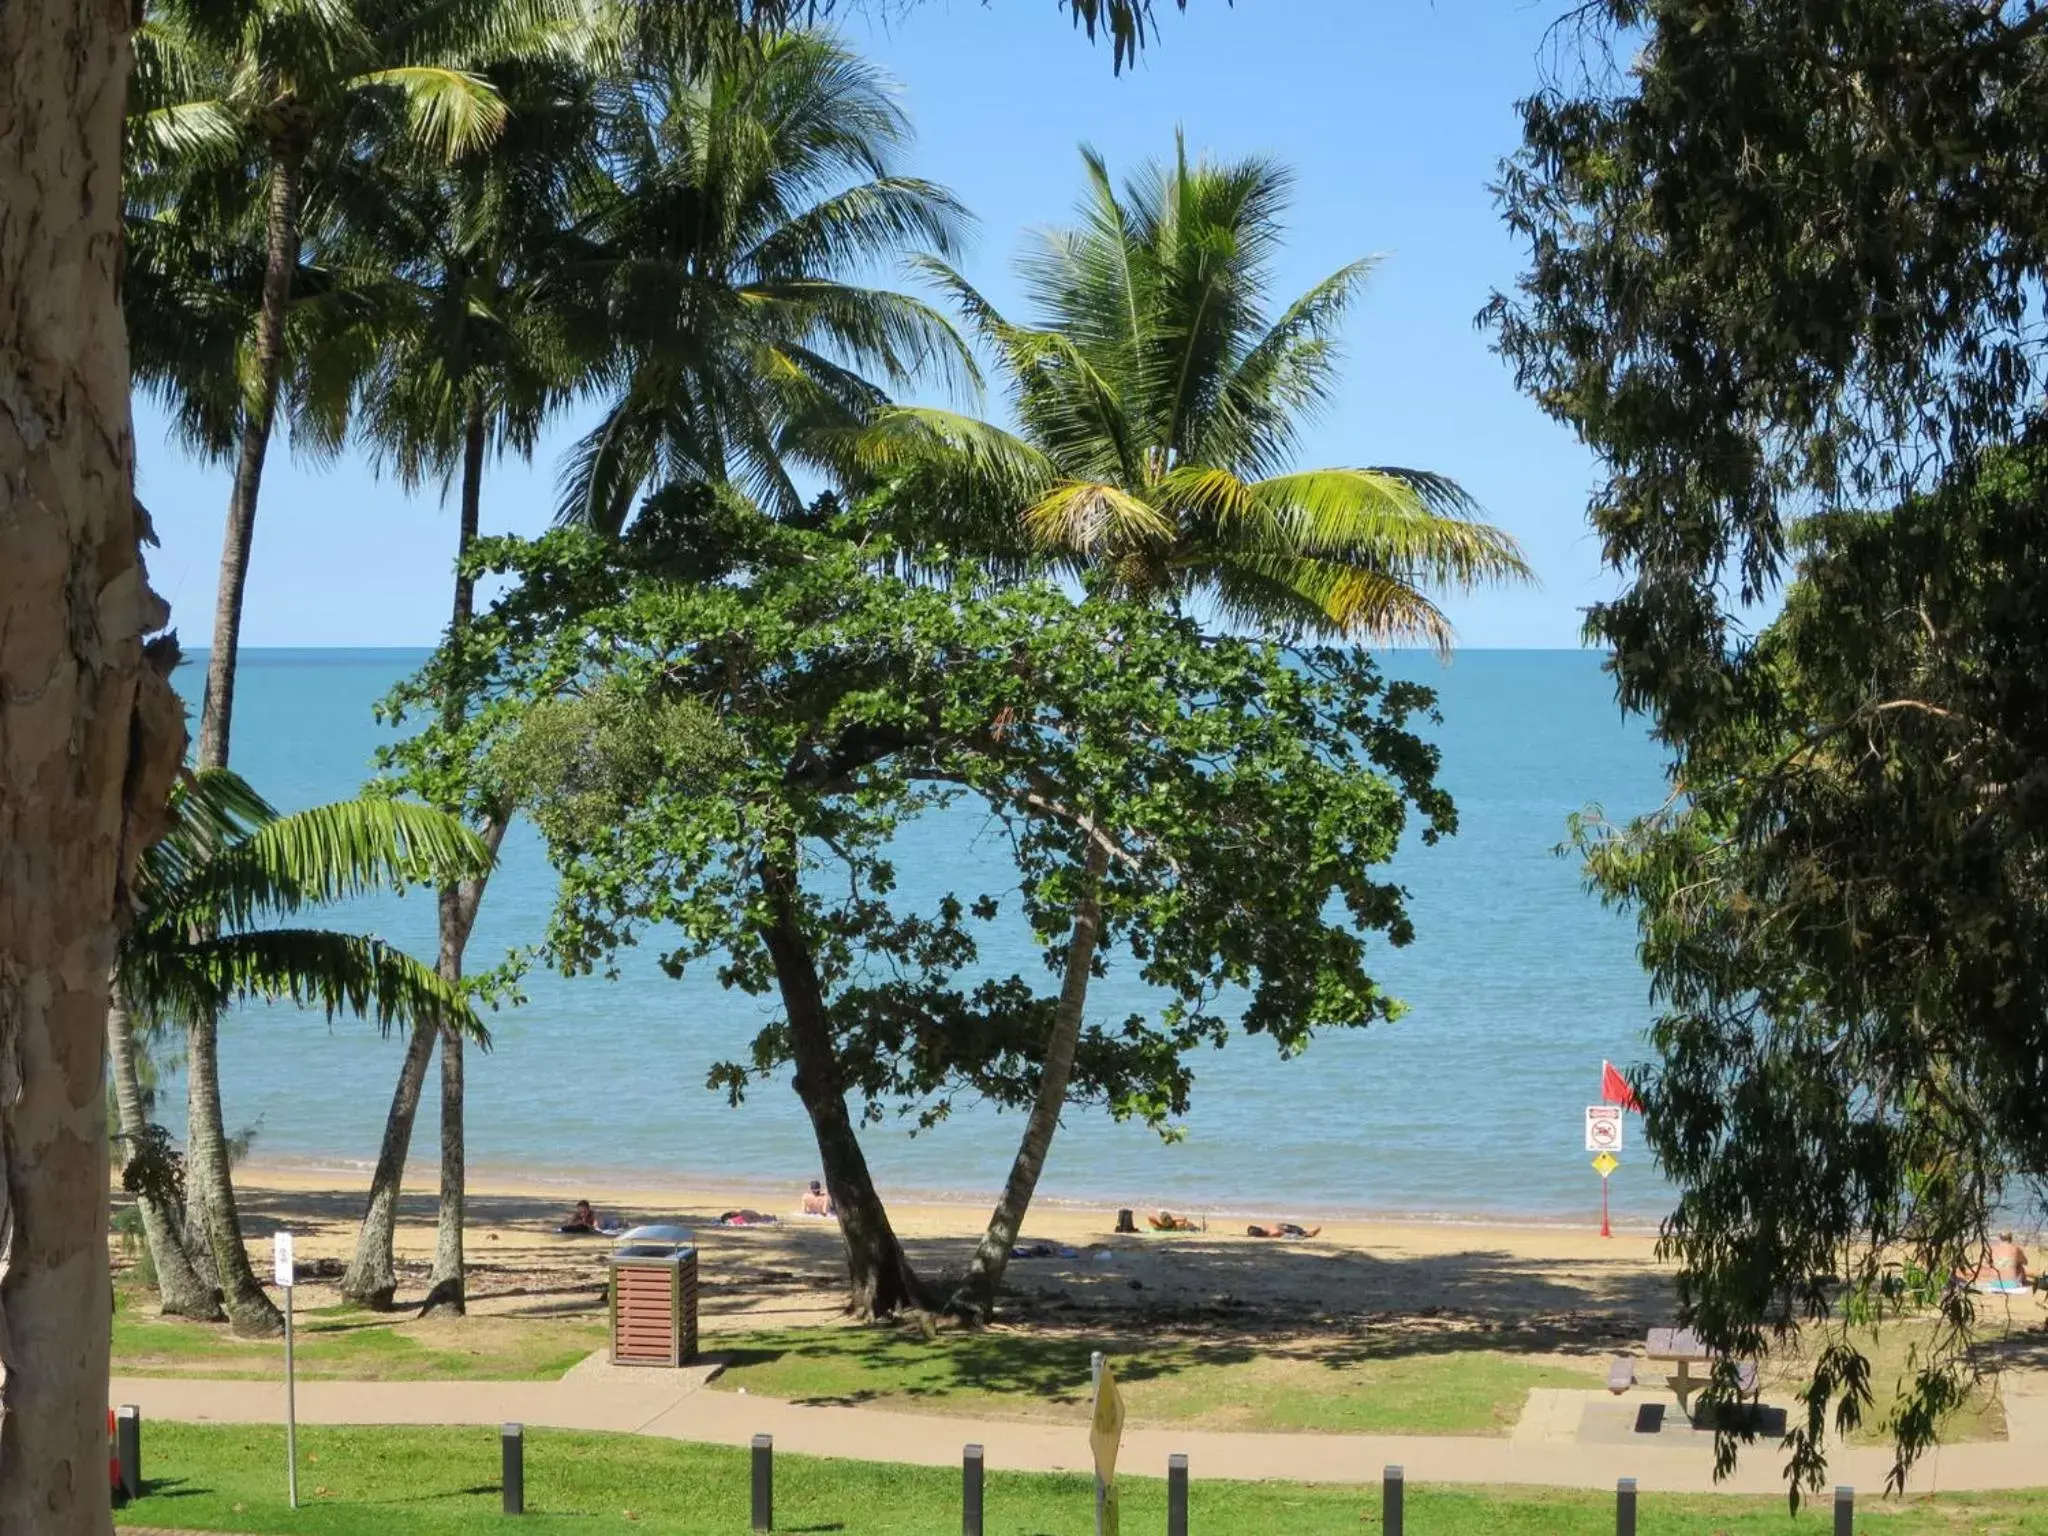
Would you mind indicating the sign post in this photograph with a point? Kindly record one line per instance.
(281, 1259)
(1603, 1138)
(1105, 1435)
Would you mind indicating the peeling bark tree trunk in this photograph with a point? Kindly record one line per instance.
(180, 1290)
(976, 1295)
(880, 1281)
(446, 1291)
(372, 1277)
(90, 737)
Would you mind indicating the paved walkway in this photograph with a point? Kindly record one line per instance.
(672, 1405)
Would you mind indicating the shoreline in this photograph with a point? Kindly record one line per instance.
(663, 1187)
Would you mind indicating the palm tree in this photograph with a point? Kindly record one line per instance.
(1158, 400)
(743, 201)
(472, 356)
(209, 897)
(280, 93)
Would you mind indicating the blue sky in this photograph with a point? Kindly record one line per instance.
(1393, 114)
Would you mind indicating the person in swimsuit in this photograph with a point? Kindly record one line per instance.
(816, 1202)
(582, 1221)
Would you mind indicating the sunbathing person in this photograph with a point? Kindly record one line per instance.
(816, 1202)
(1166, 1221)
(582, 1221)
(746, 1217)
(2004, 1267)
(1281, 1229)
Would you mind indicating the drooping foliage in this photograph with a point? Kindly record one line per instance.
(1844, 919)
(1786, 272)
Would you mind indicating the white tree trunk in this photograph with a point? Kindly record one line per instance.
(89, 738)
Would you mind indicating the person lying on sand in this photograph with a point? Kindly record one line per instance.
(1166, 1221)
(817, 1202)
(1282, 1229)
(746, 1218)
(2004, 1267)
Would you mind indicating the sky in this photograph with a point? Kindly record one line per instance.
(1393, 114)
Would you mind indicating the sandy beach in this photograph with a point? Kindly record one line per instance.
(1540, 1288)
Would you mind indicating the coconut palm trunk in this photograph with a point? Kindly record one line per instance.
(446, 1290)
(976, 1294)
(181, 1292)
(372, 1276)
(281, 260)
(212, 1198)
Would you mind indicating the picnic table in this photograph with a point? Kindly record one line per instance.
(1683, 1348)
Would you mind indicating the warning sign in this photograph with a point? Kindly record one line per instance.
(1605, 1164)
(1603, 1127)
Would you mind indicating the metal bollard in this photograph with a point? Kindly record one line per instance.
(1176, 1496)
(1845, 1510)
(764, 1482)
(1625, 1507)
(1390, 1502)
(512, 1449)
(970, 1491)
(128, 1449)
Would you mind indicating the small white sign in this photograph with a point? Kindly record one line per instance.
(281, 1257)
(1603, 1127)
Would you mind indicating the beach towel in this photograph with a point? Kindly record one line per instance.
(2002, 1287)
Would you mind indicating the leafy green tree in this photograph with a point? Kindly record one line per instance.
(1785, 270)
(1158, 399)
(796, 709)
(741, 202)
(211, 898)
(474, 343)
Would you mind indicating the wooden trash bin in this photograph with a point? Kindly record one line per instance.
(654, 1297)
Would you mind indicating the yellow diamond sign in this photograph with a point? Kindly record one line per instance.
(1106, 1432)
(1605, 1164)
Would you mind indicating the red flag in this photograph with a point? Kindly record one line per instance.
(1614, 1089)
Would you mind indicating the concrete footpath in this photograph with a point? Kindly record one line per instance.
(674, 1405)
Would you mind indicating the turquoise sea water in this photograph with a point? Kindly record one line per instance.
(1471, 1105)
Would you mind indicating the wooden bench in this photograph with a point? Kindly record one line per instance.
(1621, 1375)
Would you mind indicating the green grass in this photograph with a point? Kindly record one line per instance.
(437, 1482)
(348, 1344)
(1338, 1385)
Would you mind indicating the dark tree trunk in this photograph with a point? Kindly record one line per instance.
(976, 1295)
(447, 1289)
(880, 1281)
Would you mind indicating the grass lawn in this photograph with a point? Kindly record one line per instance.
(427, 1482)
(1338, 1385)
(349, 1344)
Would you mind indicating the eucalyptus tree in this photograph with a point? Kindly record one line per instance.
(476, 343)
(743, 203)
(213, 900)
(1159, 395)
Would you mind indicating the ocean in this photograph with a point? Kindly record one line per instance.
(1471, 1106)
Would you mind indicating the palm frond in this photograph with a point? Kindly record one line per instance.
(1411, 522)
(335, 972)
(449, 111)
(1087, 517)
(330, 853)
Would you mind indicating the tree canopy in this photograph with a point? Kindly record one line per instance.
(1785, 277)
(795, 713)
